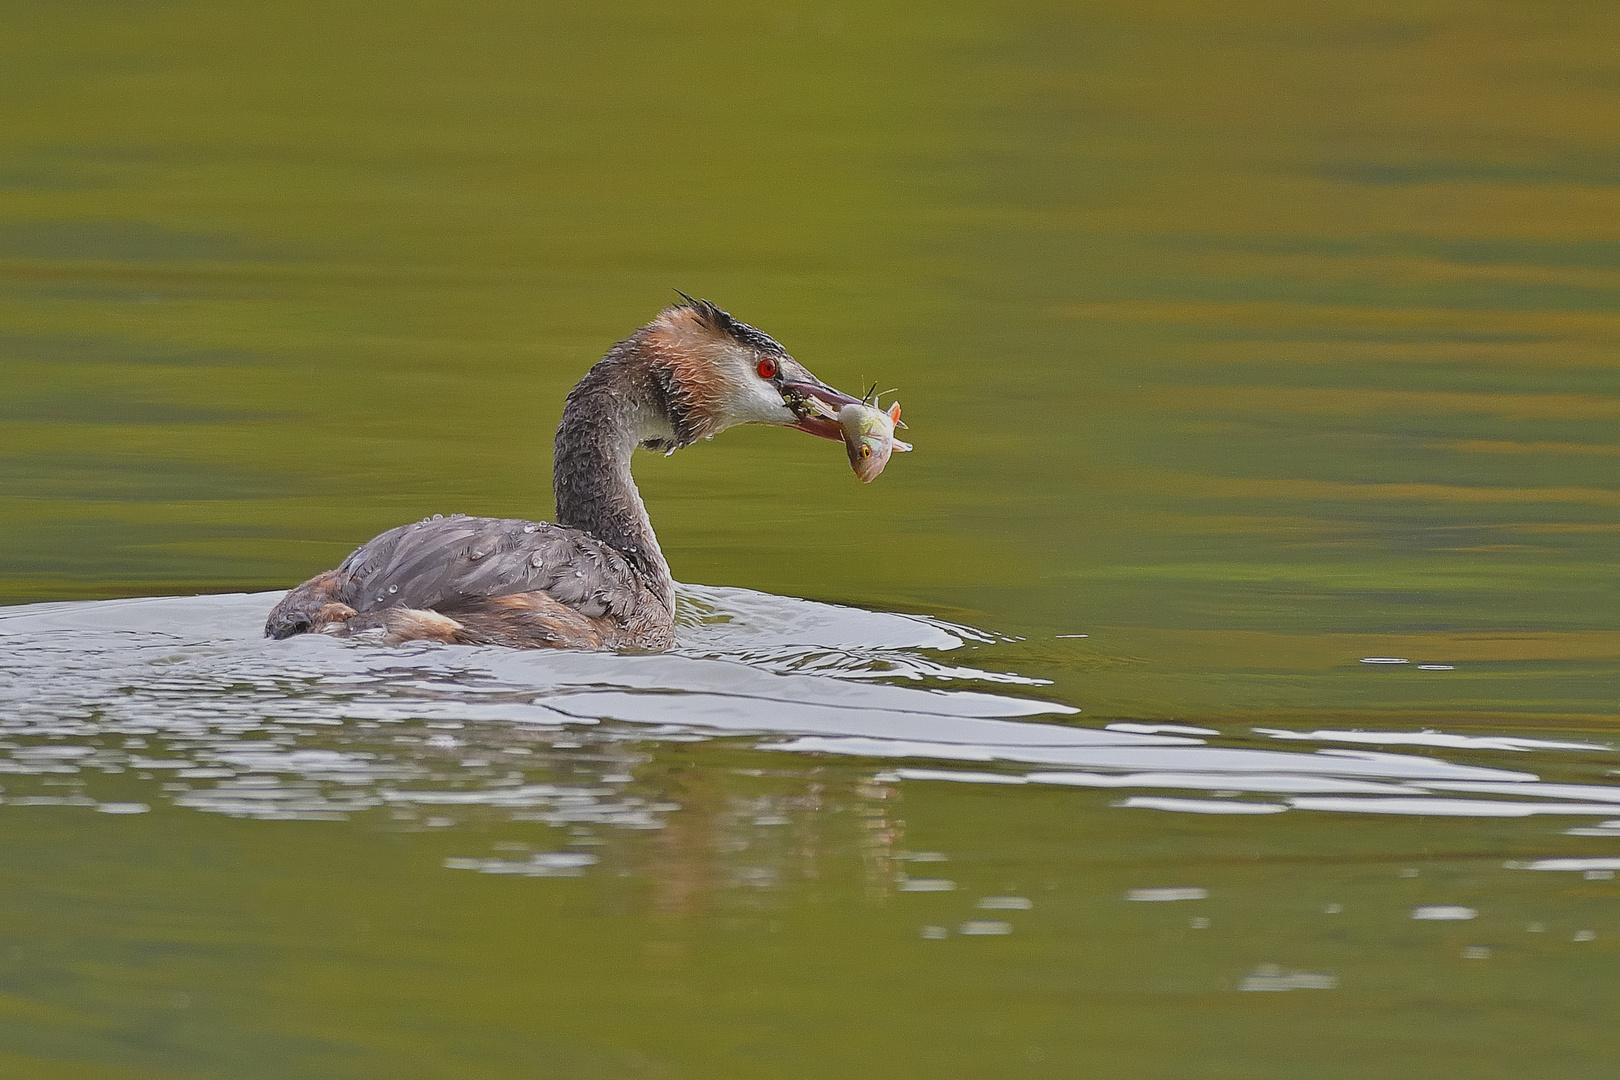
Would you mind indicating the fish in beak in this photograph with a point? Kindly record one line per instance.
(866, 431)
(869, 437)
(816, 405)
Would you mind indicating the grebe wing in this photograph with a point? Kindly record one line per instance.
(450, 564)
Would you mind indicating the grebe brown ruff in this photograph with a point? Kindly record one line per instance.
(597, 578)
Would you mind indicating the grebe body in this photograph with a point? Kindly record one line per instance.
(596, 579)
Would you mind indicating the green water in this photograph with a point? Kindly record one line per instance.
(1247, 340)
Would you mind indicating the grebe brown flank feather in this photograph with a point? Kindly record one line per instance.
(597, 578)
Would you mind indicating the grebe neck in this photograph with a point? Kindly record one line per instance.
(617, 406)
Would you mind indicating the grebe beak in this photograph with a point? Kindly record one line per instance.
(816, 405)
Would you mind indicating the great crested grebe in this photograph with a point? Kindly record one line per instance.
(597, 578)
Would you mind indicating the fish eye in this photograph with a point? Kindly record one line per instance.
(767, 368)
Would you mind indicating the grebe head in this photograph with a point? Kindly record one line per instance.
(717, 372)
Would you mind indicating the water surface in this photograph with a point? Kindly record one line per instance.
(1240, 348)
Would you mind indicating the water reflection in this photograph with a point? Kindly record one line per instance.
(725, 783)
(185, 690)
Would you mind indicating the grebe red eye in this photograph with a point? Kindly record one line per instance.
(767, 368)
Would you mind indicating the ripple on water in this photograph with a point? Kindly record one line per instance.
(316, 728)
(1270, 977)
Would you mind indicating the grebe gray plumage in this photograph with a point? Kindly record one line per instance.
(597, 578)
